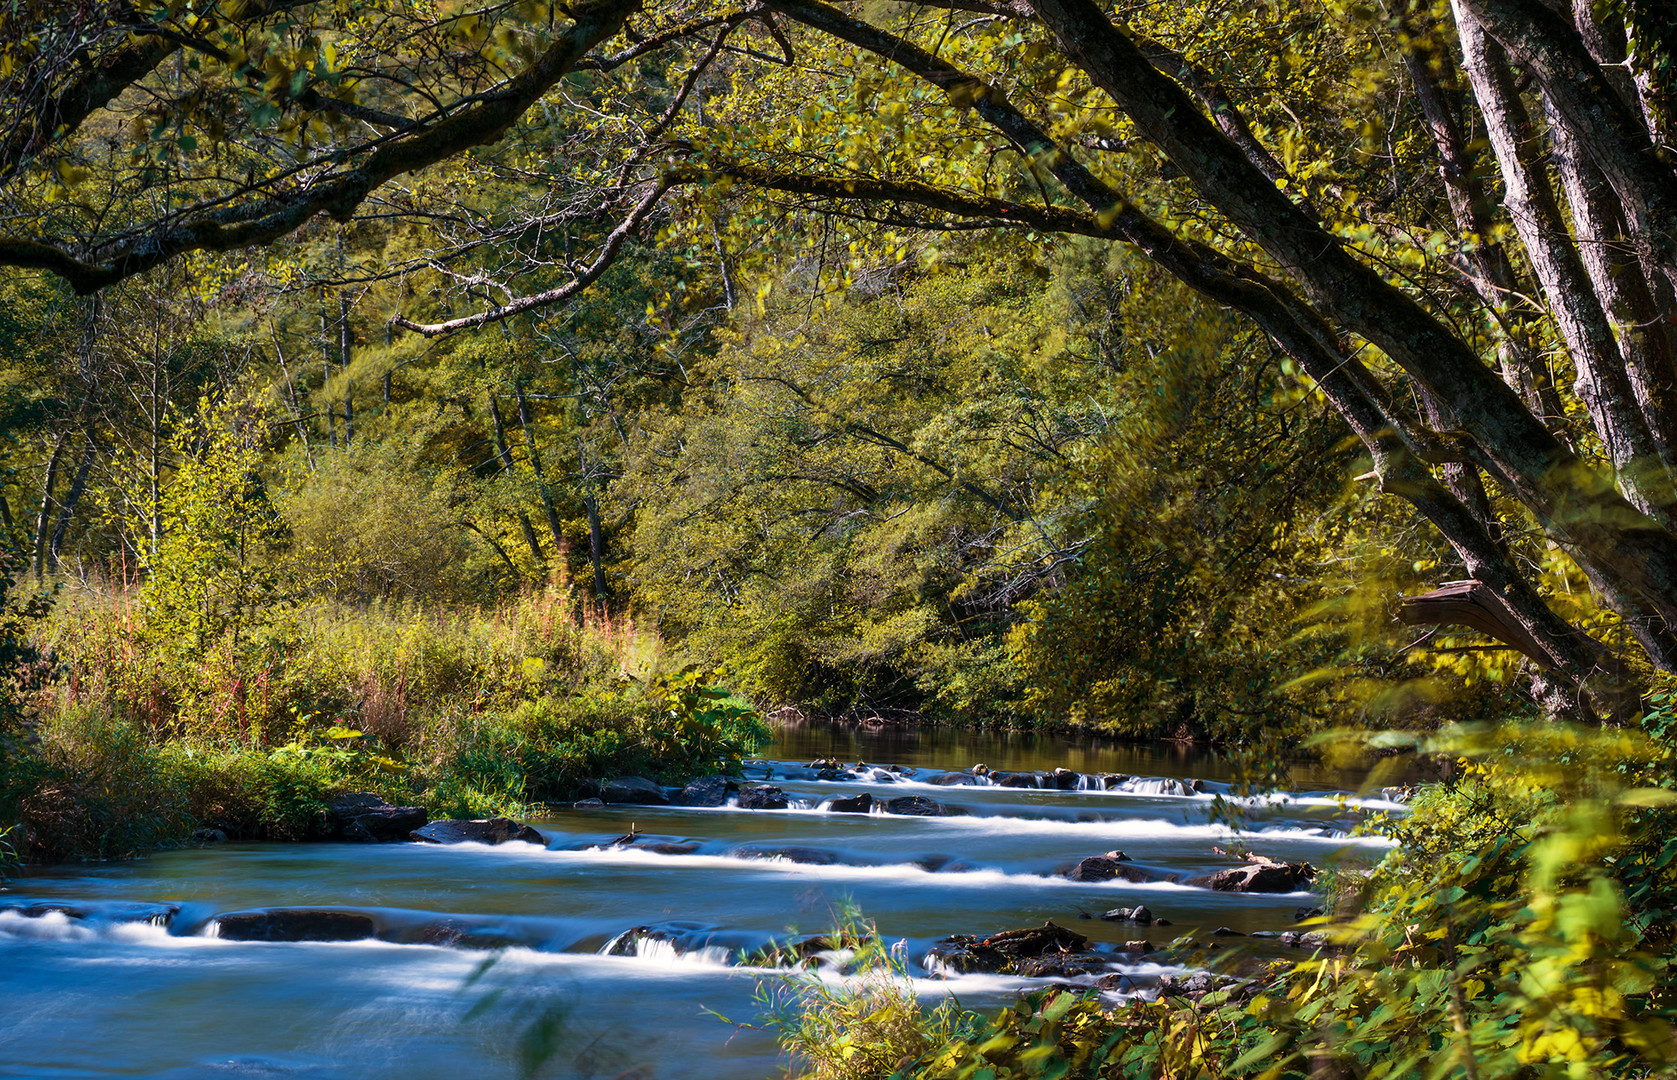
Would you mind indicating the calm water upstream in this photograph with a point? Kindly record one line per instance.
(110, 993)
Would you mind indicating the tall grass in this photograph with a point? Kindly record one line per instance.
(465, 711)
(394, 670)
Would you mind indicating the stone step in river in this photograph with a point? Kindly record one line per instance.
(632, 926)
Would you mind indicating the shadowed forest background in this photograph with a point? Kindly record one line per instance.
(473, 402)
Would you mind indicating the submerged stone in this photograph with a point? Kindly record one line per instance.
(634, 791)
(484, 831)
(915, 806)
(295, 924)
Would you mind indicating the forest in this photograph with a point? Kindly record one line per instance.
(471, 402)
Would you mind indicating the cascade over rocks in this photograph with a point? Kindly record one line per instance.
(628, 942)
(854, 804)
(634, 791)
(366, 818)
(481, 831)
(791, 853)
(707, 791)
(762, 797)
(295, 924)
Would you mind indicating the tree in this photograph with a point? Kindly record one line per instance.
(1509, 372)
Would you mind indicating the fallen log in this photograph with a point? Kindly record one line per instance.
(1476, 605)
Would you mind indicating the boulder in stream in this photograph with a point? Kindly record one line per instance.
(762, 797)
(1139, 914)
(951, 779)
(366, 818)
(295, 924)
(1259, 875)
(1064, 779)
(1112, 865)
(1038, 952)
(707, 791)
(915, 806)
(633, 791)
(484, 831)
(854, 804)
(1198, 985)
(1014, 779)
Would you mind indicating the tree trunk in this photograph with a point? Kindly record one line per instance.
(536, 467)
(1616, 139)
(291, 395)
(71, 498)
(1571, 297)
(43, 517)
(502, 451)
(596, 550)
(1523, 367)
(345, 355)
(1626, 298)
(327, 347)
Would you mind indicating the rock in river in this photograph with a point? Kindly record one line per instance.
(1259, 875)
(951, 779)
(1065, 779)
(1114, 864)
(364, 817)
(707, 791)
(762, 797)
(1123, 914)
(1034, 951)
(915, 806)
(634, 791)
(491, 831)
(855, 804)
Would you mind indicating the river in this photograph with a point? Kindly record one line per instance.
(134, 979)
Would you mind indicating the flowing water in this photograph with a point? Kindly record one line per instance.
(626, 953)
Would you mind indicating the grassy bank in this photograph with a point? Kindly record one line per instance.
(127, 741)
